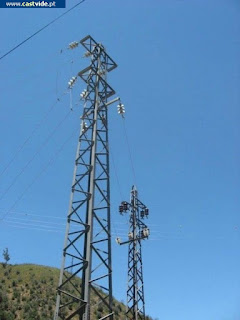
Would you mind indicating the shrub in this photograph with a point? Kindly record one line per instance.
(100, 308)
(27, 307)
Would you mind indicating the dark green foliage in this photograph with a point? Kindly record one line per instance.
(100, 308)
(4, 307)
(6, 257)
(120, 307)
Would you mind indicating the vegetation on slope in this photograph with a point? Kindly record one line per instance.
(29, 292)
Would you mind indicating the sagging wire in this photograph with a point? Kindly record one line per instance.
(45, 142)
(121, 111)
(51, 161)
(36, 221)
(32, 226)
(38, 31)
(39, 229)
(35, 73)
(55, 227)
(35, 129)
(27, 219)
(70, 98)
(118, 185)
(129, 151)
(35, 215)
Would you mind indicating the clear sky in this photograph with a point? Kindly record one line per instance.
(178, 76)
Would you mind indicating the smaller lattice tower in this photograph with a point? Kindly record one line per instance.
(138, 231)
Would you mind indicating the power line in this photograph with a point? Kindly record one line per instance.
(44, 27)
(38, 227)
(34, 225)
(45, 142)
(35, 221)
(38, 125)
(50, 228)
(46, 226)
(129, 151)
(43, 224)
(35, 228)
(37, 176)
(119, 188)
(63, 218)
(34, 215)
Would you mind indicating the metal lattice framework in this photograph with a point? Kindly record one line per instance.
(87, 246)
(138, 231)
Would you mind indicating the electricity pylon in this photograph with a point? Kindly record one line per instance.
(87, 245)
(138, 231)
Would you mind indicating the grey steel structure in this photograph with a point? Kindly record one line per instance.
(87, 246)
(138, 231)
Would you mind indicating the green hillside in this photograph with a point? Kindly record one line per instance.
(28, 292)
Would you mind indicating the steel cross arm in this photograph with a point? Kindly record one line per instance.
(90, 44)
(133, 240)
(101, 108)
(140, 203)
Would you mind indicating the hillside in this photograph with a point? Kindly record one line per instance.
(28, 292)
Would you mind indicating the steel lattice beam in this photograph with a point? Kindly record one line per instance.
(87, 245)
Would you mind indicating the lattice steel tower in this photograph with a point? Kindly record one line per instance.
(87, 246)
(138, 231)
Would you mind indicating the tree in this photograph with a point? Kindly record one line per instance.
(6, 256)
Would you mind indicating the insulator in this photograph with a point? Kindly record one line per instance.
(145, 232)
(71, 82)
(130, 235)
(146, 212)
(73, 45)
(125, 206)
(142, 213)
(118, 240)
(84, 94)
(121, 209)
(87, 54)
(121, 109)
(84, 127)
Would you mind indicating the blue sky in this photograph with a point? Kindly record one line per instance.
(178, 77)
